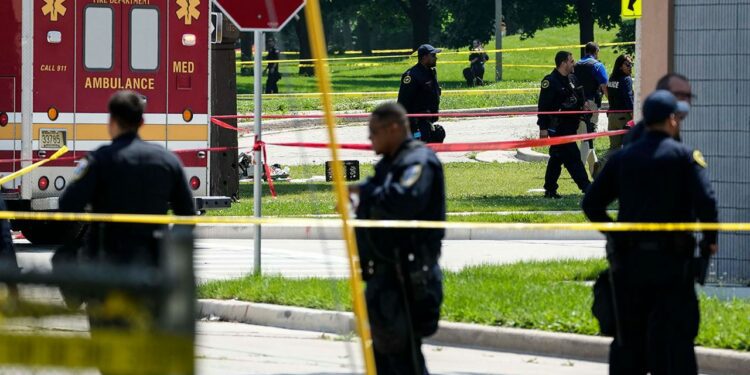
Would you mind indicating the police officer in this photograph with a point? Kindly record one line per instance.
(592, 75)
(679, 86)
(620, 90)
(656, 179)
(420, 93)
(273, 68)
(404, 282)
(560, 93)
(474, 74)
(128, 176)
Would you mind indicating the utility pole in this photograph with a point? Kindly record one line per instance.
(498, 40)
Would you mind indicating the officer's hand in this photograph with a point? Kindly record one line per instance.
(713, 248)
(543, 134)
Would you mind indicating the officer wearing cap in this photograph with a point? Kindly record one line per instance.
(128, 176)
(560, 92)
(656, 180)
(420, 93)
(404, 282)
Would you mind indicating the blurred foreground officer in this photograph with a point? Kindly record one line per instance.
(404, 281)
(129, 176)
(420, 93)
(560, 93)
(680, 87)
(657, 179)
(8, 254)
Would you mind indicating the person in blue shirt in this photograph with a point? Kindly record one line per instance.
(620, 94)
(592, 75)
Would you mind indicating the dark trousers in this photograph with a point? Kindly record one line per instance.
(272, 86)
(423, 127)
(400, 316)
(658, 325)
(568, 155)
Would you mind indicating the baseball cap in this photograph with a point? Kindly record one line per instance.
(660, 105)
(426, 49)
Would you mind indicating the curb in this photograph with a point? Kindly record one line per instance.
(527, 154)
(277, 232)
(566, 345)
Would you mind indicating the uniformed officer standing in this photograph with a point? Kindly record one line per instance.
(560, 93)
(128, 176)
(656, 179)
(620, 90)
(273, 68)
(8, 253)
(420, 93)
(592, 76)
(404, 282)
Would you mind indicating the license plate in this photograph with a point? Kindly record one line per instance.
(52, 139)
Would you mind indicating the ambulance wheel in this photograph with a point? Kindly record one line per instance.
(50, 232)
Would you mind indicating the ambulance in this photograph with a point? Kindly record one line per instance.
(61, 60)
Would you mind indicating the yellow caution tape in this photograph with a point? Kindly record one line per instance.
(308, 223)
(110, 352)
(490, 62)
(395, 93)
(504, 50)
(36, 165)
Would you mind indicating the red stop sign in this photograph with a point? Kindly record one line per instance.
(260, 15)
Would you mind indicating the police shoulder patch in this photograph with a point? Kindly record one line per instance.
(411, 176)
(698, 158)
(545, 84)
(407, 79)
(81, 169)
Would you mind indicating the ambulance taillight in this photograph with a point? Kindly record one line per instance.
(3, 119)
(195, 183)
(43, 183)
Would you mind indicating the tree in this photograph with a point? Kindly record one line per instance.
(420, 14)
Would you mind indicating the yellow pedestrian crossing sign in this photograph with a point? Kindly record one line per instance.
(631, 9)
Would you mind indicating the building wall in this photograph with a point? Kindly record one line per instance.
(711, 47)
(655, 44)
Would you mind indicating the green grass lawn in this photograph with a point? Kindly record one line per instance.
(470, 187)
(547, 296)
(384, 75)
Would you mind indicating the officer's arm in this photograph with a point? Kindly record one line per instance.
(403, 197)
(602, 192)
(79, 192)
(547, 103)
(600, 72)
(181, 198)
(407, 92)
(703, 194)
(629, 91)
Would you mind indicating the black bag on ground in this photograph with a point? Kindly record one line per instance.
(603, 307)
(438, 134)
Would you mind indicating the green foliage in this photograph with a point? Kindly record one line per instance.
(548, 296)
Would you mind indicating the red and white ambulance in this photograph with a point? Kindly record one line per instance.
(61, 60)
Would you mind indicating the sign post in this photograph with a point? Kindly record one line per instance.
(259, 16)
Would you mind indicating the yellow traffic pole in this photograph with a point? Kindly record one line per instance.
(318, 47)
(36, 165)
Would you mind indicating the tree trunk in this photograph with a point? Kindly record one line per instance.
(420, 13)
(306, 68)
(585, 22)
(364, 36)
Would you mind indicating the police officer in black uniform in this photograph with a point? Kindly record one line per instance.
(7, 253)
(656, 179)
(274, 76)
(404, 281)
(560, 92)
(420, 93)
(128, 176)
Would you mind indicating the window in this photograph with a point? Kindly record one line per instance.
(144, 39)
(98, 39)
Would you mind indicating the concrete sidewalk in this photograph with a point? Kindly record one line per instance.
(562, 345)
